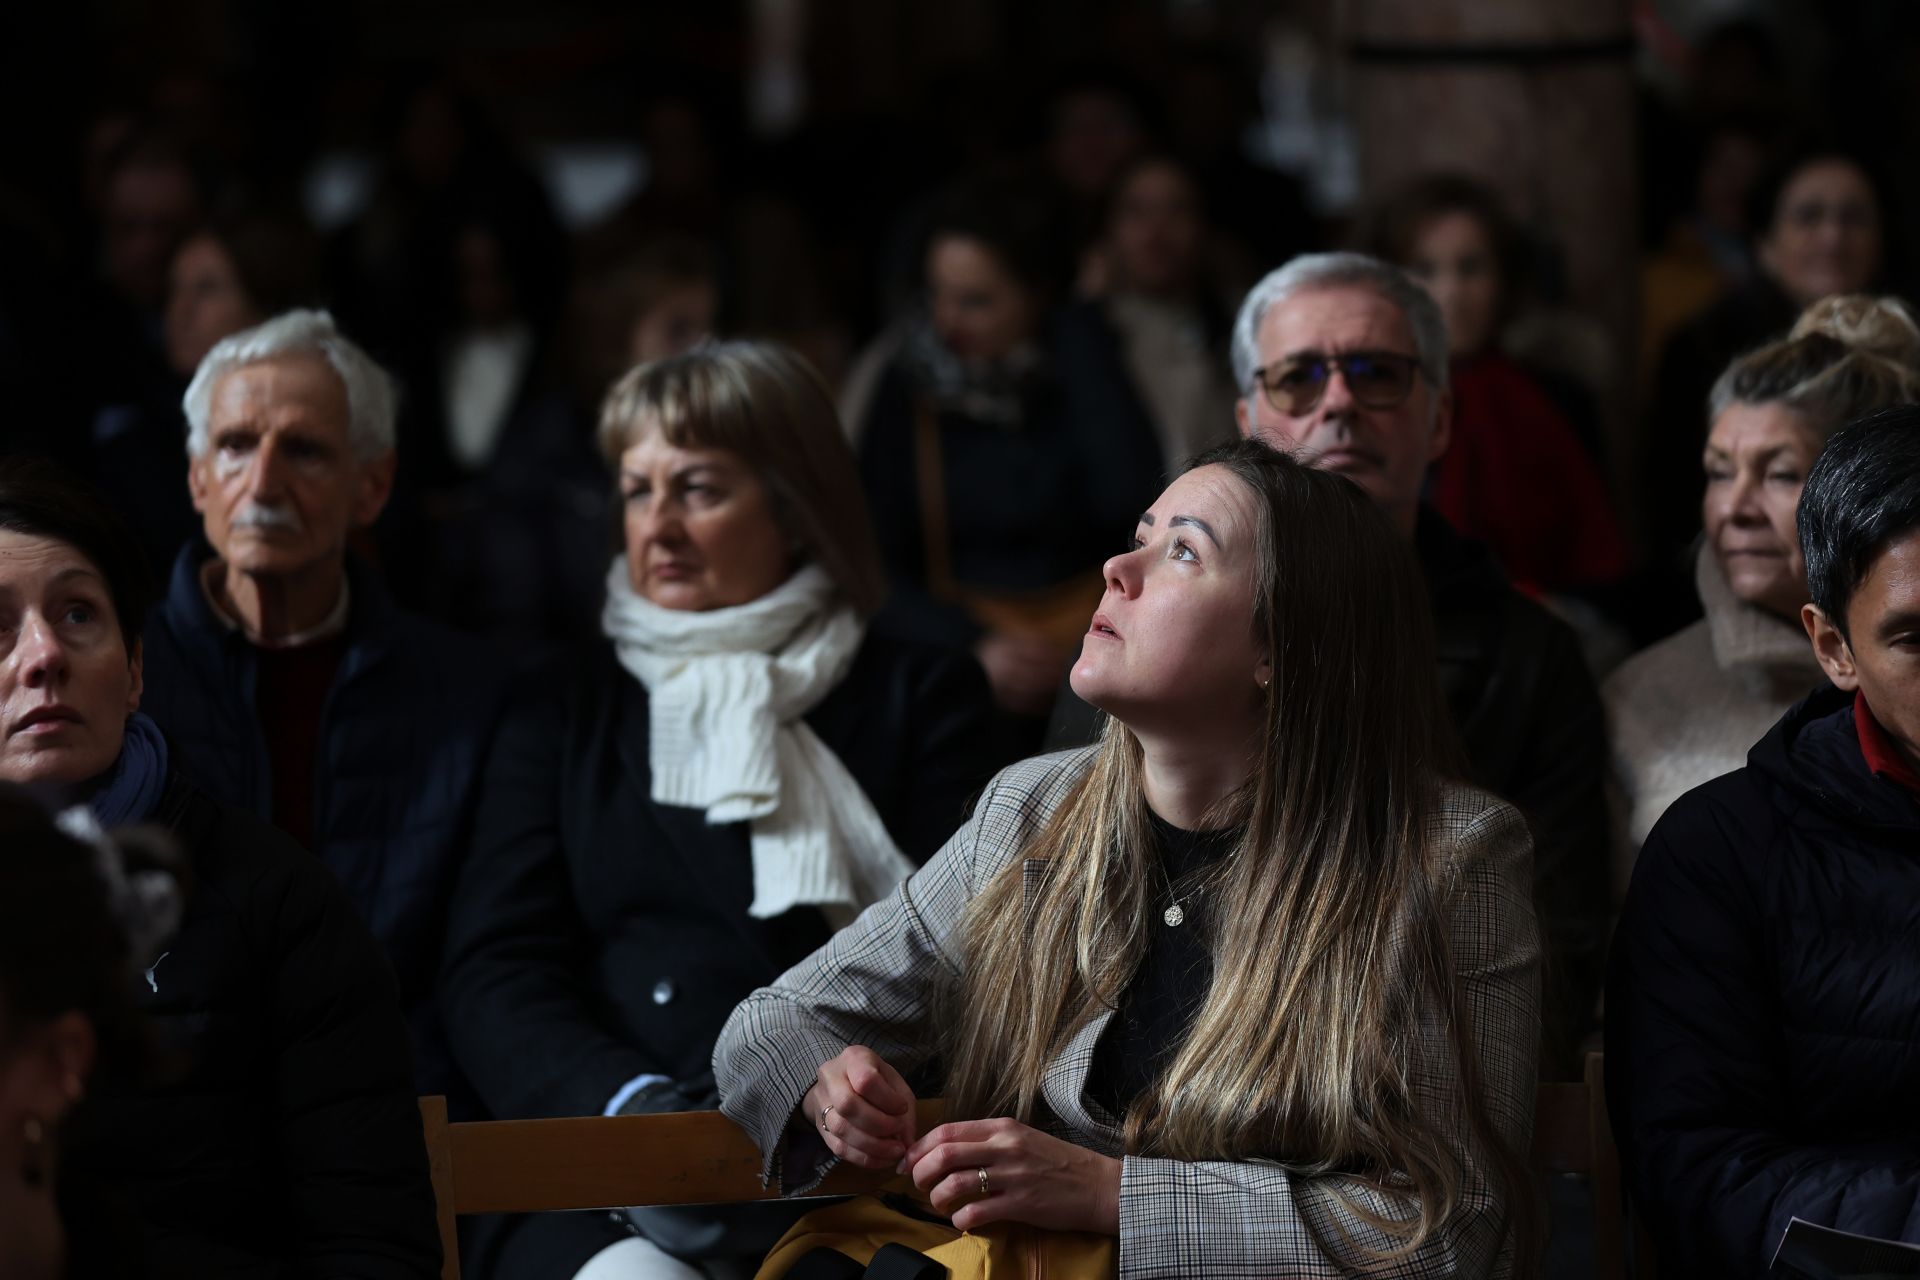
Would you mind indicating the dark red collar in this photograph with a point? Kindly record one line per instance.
(1883, 758)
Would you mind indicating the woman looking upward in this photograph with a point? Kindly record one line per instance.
(1249, 984)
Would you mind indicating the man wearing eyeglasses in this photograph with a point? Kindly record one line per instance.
(1341, 360)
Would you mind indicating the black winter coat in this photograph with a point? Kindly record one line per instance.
(405, 726)
(283, 1138)
(1526, 709)
(596, 936)
(1763, 1008)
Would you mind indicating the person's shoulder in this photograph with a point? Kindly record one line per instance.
(180, 620)
(1660, 668)
(582, 681)
(428, 642)
(888, 658)
(1470, 823)
(437, 669)
(237, 853)
(1721, 832)
(1022, 796)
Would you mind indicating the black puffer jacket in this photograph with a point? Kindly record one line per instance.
(1763, 1010)
(285, 1138)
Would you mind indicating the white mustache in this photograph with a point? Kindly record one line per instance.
(260, 515)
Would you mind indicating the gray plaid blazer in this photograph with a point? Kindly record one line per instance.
(877, 981)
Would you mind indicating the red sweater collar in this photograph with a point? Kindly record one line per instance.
(1883, 758)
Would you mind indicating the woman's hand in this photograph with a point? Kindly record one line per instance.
(1031, 1177)
(862, 1108)
(1024, 671)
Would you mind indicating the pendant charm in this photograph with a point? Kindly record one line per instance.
(1173, 915)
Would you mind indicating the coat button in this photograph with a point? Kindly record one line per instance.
(663, 991)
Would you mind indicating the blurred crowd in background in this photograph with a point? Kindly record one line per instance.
(508, 211)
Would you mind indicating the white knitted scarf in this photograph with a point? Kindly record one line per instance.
(728, 688)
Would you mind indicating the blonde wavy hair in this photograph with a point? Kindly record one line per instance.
(1306, 1053)
(1846, 356)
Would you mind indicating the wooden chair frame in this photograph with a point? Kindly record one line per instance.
(602, 1162)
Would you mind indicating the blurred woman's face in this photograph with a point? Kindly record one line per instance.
(67, 684)
(1453, 257)
(700, 527)
(678, 322)
(1172, 649)
(981, 310)
(1757, 460)
(1825, 237)
(1156, 231)
(206, 302)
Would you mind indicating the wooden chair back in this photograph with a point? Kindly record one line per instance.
(602, 1162)
(1572, 1134)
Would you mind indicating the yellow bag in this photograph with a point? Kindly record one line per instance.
(861, 1227)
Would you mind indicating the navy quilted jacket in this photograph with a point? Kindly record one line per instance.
(1763, 1010)
(405, 727)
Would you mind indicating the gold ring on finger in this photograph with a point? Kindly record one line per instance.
(823, 1118)
(985, 1188)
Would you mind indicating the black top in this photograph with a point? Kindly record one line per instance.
(1763, 1006)
(1174, 974)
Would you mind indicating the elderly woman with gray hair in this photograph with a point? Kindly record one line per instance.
(697, 802)
(1688, 708)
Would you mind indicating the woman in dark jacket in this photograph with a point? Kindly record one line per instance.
(1005, 451)
(701, 801)
(287, 1139)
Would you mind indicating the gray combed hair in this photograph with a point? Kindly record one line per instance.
(370, 393)
(1312, 271)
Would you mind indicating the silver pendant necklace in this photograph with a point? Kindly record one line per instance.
(1175, 915)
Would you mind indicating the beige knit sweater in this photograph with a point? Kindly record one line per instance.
(1690, 707)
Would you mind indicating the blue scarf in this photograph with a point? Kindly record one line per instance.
(131, 790)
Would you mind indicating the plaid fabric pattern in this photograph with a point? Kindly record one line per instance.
(877, 981)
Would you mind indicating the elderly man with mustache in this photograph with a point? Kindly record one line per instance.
(281, 670)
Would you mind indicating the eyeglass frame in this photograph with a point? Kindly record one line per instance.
(1338, 361)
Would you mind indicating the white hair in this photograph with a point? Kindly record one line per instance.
(370, 395)
(1311, 271)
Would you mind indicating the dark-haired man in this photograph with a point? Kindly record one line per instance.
(1763, 1010)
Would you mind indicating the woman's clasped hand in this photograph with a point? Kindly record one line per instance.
(865, 1113)
(1031, 1177)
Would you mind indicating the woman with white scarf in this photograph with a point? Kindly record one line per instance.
(680, 815)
